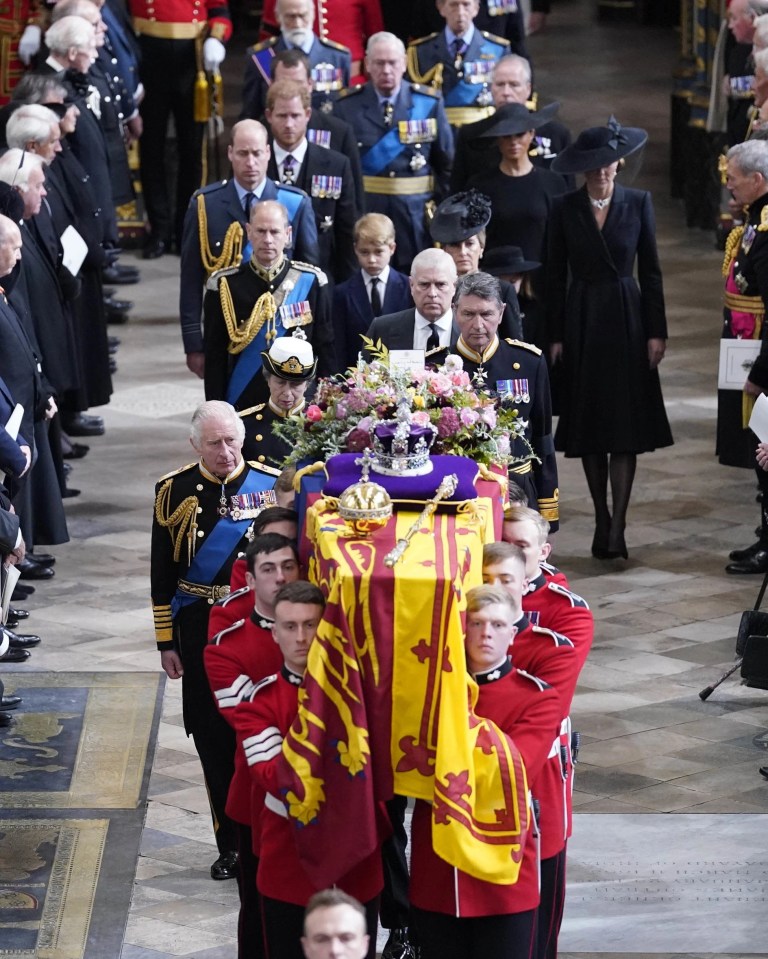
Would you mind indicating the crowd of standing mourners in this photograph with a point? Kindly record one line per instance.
(407, 188)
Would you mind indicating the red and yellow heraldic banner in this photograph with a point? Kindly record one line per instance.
(387, 703)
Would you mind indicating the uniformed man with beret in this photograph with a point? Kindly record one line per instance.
(268, 296)
(330, 62)
(288, 367)
(406, 145)
(517, 371)
(214, 227)
(202, 515)
(459, 61)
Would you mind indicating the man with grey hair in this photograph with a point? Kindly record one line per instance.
(475, 153)
(429, 326)
(330, 62)
(517, 372)
(406, 144)
(202, 515)
(34, 128)
(746, 303)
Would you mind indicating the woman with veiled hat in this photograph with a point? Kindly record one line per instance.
(289, 366)
(521, 194)
(459, 226)
(608, 329)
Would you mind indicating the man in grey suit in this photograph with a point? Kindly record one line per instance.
(430, 326)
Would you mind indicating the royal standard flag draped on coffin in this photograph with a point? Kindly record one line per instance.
(387, 702)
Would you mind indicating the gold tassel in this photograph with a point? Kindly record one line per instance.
(306, 471)
(202, 104)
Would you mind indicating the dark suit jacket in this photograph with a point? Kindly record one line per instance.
(9, 531)
(223, 207)
(352, 313)
(335, 219)
(12, 460)
(343, 140)
(396, 330)
(19, 368)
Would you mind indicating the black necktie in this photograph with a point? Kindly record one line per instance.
(375, 297)
(388, 111)
(458, 48)
(433, 343)
(249, 198)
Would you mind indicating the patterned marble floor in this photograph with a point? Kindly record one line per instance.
(666, 619)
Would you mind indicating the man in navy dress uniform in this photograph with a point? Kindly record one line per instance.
(458, 60)
(214, 228)
(321, 172)
(518, 372)
(330, 62)
(405, 142)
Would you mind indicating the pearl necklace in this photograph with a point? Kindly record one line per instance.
(600, 204)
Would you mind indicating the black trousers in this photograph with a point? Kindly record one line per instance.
(168, 69)
(250, 931)
(284, 927)
(549, 915)
(395, 908)
(213, 737)
(509, 936)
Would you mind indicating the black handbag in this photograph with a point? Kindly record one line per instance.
(754, 662)
(754, 622)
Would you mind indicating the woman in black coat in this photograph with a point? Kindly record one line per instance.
(609, 331)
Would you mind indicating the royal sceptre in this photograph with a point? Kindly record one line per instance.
(445, 489)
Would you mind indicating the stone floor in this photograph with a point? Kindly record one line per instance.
(655, 758)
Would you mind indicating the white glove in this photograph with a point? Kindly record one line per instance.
(29, 44)
(214, 52)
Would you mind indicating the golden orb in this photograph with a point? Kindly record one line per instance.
(365, 507)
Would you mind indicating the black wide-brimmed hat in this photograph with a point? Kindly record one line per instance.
(507, 261)
(515, 118)
(597, 147)
(460, 216)
(290, 358)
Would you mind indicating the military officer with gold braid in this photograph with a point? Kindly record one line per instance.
(459, 61)
(246, 308)
(288, 368)
(214, 227)
(202, 516)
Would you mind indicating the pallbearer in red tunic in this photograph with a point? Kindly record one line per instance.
(263, 721)
(457, 916)
(547, 611)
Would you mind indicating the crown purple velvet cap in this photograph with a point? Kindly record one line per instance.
(407, 492)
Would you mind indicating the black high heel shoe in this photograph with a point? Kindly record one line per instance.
(600, 543)
(617, 547)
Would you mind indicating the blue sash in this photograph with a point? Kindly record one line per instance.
(249, 361)
(291, 201)
(381, 154)
(220, 544)
(465, 93)
(262, 59)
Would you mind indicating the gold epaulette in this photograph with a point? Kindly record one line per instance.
(181, 523)
(432, 77)
(263, 45)
(212, 283)
(263, 468)
(495, 38)
(336, 46)
(181, 469)
(351, 91)
(429, 36)
(322, 278)
(526, 346)
(251, 409)
(763, 220)
(429, 91)
(231, 248)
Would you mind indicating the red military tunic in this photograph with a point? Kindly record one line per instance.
(264, 721)
(553, 573)
(349, 22)
(528, 711)
(238, 605)
(181, 19)
(236, 659)
(550, 604)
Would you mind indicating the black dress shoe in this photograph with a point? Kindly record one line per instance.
(225, 866)
(739, 555)
(70, 493)
(76, 451)
(81, 425)
(763, 770)
(22, 640)
(119, 275)
(6, 720)
(115, 317)
(153, 249)
(30, 570)
(21, 592)
(756, 563)
(113, 341)
(18, 613)
(122, 306)
(44, 559)
(10, 702)
(14, 656)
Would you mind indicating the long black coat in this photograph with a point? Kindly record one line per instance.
(613, 402)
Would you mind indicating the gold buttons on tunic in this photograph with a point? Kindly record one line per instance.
(261, 459)
(515, 366)
(200, 532)
(258, 437)
(199, 487)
